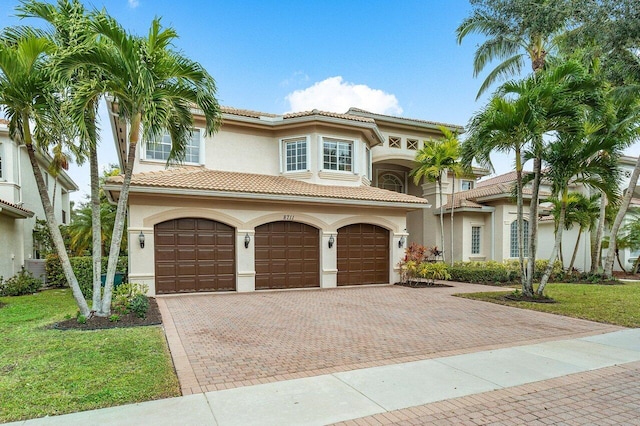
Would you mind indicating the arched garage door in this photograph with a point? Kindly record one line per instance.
(194, 255)
(363, 254)
(287, 255)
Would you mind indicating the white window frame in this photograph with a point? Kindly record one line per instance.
(470, 182)
(283, 153)
(476, 239)
(201, 153)
(369, 165)
(338, 140)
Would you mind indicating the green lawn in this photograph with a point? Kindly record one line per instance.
(612, 304)
(48, 372)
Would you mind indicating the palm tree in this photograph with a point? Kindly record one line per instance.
(575, 158)
(434, 160)
(155, 90)
(516, 31)
(501, 126)
(28, 95)
(70, 22)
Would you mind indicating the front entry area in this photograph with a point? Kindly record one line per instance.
(287, 255)
(363, 254)
(194, 255)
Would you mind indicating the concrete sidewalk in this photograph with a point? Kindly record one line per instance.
(366, 392)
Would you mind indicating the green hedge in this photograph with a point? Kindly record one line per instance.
(83, 268)
(492, 272)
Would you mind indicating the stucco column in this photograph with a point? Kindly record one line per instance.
(245, 261)
(399, 242)
(329, 259)
(142, 271)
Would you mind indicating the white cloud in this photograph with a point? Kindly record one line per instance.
(336, 95)
(133, 3)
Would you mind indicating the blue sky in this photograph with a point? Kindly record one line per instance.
(394, 57)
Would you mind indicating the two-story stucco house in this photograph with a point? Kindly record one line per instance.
(20, 203)
(300, 200)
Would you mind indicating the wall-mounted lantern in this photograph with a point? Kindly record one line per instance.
(401, 242)
(331, 241)
(141, 239)
(247, 240)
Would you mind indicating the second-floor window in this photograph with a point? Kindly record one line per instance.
(466, 185)
(412, 144)
(394, 142)
(160, 150)
(337, 155)
(295, 154)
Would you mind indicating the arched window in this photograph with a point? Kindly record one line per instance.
(391, 182)
(513, 252)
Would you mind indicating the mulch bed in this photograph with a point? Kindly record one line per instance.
(523, 298)
(129, 320)
(422, 284)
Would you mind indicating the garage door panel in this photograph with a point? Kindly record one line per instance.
(194, 255)
(287, 255)
(363, 255)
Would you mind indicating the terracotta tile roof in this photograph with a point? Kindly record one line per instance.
(4, 122)
(435, 123)
(15, 206)
(257, 114)
(213, 180)
(471, 198)
(504, 178)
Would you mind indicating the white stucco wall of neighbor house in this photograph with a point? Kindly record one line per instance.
(245, 216)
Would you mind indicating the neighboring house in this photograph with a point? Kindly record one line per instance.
(20, 203)
(485, 222)
(308, 199)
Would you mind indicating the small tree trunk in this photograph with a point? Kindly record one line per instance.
(596, 251)
(575, 250)
(441, 219)
(533, 220)
(120, 218)
(620, 263)
(52, 223)
(608, 264)
(451, 226)
(526, 289)
(554, 253)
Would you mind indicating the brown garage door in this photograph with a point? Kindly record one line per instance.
(287, 255)
(194, 255)
(363, 254)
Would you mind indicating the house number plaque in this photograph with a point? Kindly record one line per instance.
(288, 217)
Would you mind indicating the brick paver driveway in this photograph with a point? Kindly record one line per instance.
(229, 340)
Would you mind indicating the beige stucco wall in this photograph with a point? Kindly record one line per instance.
(252, 150)
(546, 240)
(12, 258)
(147, 211)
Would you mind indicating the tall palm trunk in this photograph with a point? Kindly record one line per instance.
(596, 250)
(533, 220)
(527, 291)
(441, 218)
(52, 223)
(453, 187)
(608, 264)
(575, 249)
(554, 253)
(120, 218)
(96, 226)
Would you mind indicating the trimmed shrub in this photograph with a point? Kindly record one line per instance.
(20, 284)
(83, 268)
(492, 272)
(131, 297)
(434, 271)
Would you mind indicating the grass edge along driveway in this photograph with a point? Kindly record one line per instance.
(44, 371)
(610, 304)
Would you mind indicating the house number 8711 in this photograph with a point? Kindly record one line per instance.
(288, 217)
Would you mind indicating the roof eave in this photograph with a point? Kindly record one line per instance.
(113, 189)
